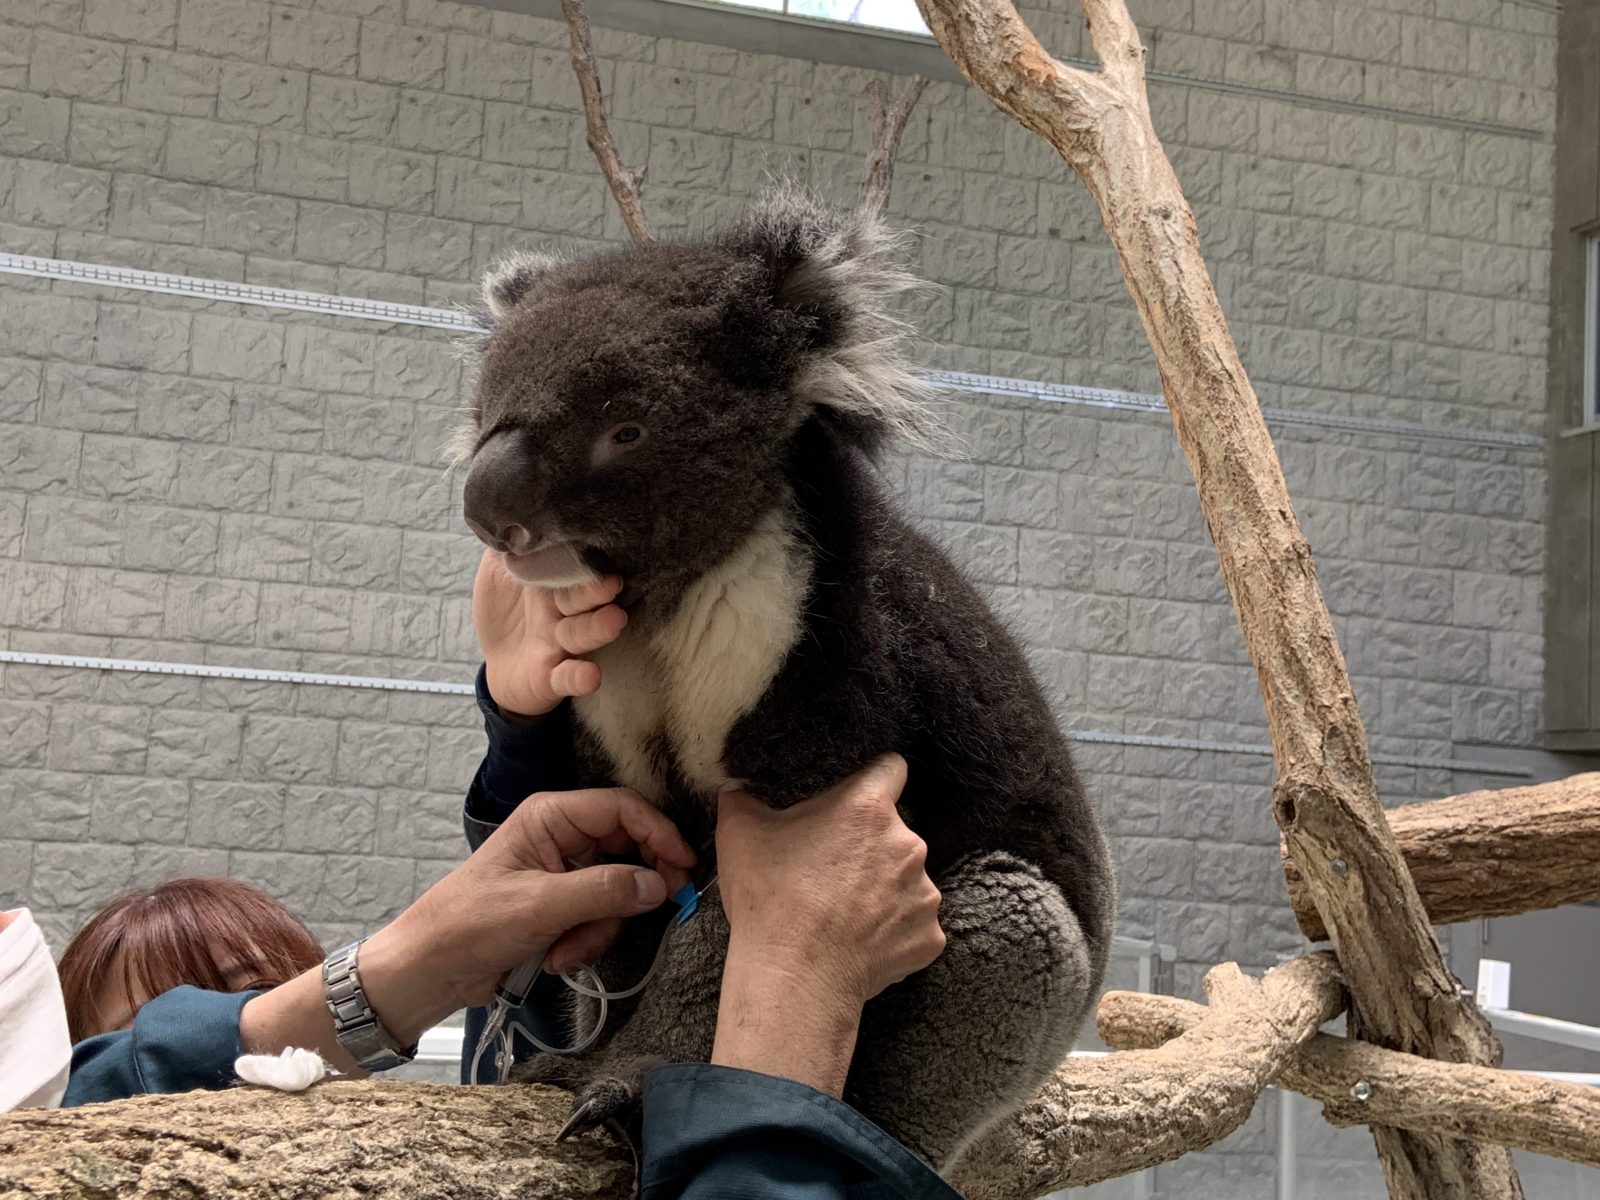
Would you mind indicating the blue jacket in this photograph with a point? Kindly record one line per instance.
(710, 1133)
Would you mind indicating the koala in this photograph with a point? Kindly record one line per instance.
(704, 419)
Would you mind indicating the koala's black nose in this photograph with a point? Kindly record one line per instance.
(503, 492)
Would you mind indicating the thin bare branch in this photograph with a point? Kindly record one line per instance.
(624, 183)
(888, 127)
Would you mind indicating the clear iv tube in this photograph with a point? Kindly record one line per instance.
(501, 1031)
(598, 991)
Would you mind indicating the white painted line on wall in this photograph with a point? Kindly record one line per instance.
(207, 671)
(461, 321)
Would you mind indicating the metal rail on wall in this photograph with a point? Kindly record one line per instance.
(34, 658)
(461, 320)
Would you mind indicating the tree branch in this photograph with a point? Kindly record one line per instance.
(888, 126)
(1098, 1118)
(1490, 854)
(400, 1141)
(1103, 1117)
(1326, 802)
(623, 182)
(1447, 1100)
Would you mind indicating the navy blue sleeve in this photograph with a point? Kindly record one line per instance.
(522, 759)
(182, 1040)
(716, 1133)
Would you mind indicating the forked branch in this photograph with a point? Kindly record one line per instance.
(1403, 995)
(1103, 1117)
(1360, 1084)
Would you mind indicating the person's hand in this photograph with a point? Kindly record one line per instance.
(517, 898)
(828, 903)
(836, 881)
(533, 639)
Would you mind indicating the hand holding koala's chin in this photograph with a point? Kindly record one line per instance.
(534, 639)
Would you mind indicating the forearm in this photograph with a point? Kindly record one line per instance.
(296, 1014)
(785, 1019)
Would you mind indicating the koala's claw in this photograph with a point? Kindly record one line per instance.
(583, 1117)
(607, 1101)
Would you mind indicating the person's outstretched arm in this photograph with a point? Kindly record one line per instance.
(513, 901)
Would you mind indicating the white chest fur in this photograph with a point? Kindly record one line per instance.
(683, 684)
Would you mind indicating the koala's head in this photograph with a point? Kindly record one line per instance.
(635, 410)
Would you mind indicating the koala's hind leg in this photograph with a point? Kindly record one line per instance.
(674, 1019)
(947, 1052)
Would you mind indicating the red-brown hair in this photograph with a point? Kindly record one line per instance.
(185, 931)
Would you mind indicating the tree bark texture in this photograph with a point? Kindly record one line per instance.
(623, 182)
(1490, 854)
(888, 127)
(1449, 1100)
(336, 1141)
(1103, 1117)
(1325, 800)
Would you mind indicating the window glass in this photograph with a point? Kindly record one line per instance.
(900, 15)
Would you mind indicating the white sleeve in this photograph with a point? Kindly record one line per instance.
(35, 1051)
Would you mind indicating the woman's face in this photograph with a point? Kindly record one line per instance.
(120, 995)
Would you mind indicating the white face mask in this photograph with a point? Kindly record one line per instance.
(35, 1052)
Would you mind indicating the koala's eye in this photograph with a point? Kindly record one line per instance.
(615, 442)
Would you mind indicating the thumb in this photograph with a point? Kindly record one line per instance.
(596, 893)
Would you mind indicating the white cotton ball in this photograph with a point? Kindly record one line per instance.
(292, 1071)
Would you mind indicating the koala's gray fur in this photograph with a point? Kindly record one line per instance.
(701, 419)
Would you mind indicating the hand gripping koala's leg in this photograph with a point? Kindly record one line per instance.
(674, 1019)
(949, 1051)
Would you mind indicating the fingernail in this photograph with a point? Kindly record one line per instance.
(650, 887)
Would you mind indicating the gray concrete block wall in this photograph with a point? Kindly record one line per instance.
(217, 483)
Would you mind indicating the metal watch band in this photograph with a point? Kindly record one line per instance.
(354, 1023)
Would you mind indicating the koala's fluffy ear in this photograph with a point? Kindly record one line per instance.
(834, 277)
(511, 278)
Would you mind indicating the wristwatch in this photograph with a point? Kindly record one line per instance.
(354, 1023)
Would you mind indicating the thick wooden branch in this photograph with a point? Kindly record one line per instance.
(1098, 1118)
(338, 1141)
(888, 126)
(1325, 801)
(1103, 1117)
(1490, 854)
(1447, 1100)
(624, 183)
